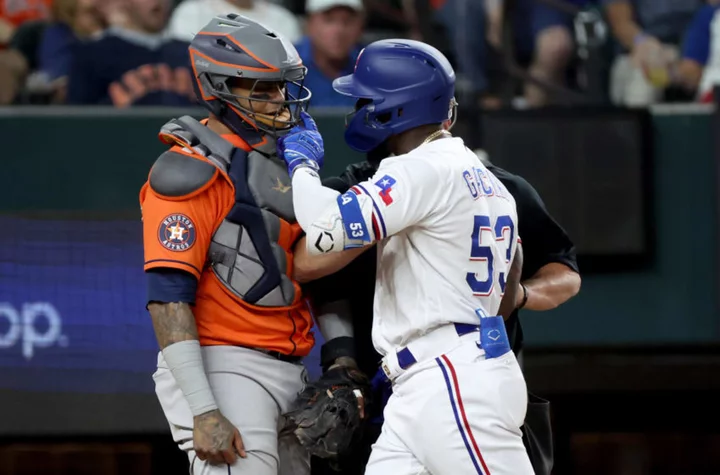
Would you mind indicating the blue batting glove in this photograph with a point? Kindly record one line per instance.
(303, 146)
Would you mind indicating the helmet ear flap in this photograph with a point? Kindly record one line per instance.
(216, 106)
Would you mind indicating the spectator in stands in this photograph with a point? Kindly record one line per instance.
(192, 15)
(649, 32)
(543, 38)
(72, 21)
(331, 47)
(14, 14)
(699, 68)
(464, 24)
(133, 63)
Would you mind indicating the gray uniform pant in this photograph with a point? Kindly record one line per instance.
(253, 390)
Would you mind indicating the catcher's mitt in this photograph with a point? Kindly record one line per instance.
(327, 413)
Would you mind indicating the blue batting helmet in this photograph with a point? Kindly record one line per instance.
(400, 85)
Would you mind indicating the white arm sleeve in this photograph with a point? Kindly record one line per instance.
(310, 197)
(401, 194)
(335, 320)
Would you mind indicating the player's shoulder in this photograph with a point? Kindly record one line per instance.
(518, 186)
(197, 157)
(429, 158)
(177, 174)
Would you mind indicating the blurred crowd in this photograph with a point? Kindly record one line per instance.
(523, 53)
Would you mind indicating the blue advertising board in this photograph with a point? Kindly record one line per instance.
(72, 307)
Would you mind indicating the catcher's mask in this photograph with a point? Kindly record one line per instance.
(248, 76)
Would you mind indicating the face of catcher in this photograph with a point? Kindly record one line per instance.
(265, 99)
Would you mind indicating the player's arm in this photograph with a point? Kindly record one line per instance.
(621, 18)
(508, 302)
(176, 238)
(551, 286)
(308, 267)
(335, 322)
(391, 201)
(549, 254)
(176, 235)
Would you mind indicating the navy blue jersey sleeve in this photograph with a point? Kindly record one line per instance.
(170, 285)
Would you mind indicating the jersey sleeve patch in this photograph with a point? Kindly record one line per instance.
(386, 184)
(177, 233)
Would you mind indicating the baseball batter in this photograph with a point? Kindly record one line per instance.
(447, 254)
(219, 231)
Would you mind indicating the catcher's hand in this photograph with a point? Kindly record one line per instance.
(327, 413)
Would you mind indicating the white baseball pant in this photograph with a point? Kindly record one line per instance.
(453, 412)
(253, 390)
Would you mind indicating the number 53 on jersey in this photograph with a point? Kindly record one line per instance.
(488, 236)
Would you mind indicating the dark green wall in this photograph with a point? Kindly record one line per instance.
(676, 301)
(97, 161)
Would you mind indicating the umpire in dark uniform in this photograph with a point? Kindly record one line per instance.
(550, 277)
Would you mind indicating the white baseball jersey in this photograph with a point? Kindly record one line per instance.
(447, 230)
(451, 233)
(447, 233)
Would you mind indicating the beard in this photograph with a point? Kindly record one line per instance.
(378, 154)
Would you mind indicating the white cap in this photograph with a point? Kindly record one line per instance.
(314, 6)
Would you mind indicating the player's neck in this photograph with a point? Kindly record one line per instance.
(413, 138)
(218, 127)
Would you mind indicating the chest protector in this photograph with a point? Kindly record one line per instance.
(244, 253)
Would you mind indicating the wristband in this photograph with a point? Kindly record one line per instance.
(336, 348)
(525, 296)
(184, 359)
(304, 163)
(639, 38)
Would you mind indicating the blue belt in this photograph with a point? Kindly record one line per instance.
(405, 357)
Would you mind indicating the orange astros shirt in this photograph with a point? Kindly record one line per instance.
(18, 12)
(177, 234)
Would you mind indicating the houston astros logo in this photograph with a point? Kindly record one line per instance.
(177, 233)
(281, 187)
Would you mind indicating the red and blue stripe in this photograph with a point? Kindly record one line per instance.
(378, 223)
(453, 388)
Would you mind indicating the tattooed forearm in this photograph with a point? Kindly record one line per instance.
(173, 322)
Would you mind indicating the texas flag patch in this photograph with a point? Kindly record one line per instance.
(385, 184)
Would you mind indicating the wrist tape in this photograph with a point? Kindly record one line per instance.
(184, 359)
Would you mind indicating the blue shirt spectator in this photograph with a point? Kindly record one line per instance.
(696, 45)
(699, 69)
(323, 94)
(125, 68)
(133, 62)
(331, 47)
(665, 20)
(56, 50)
